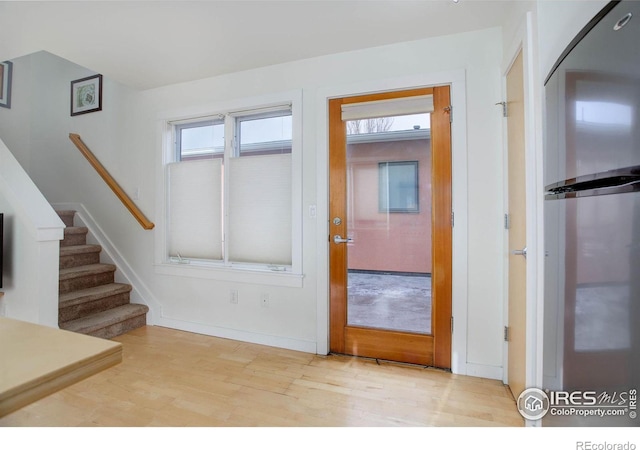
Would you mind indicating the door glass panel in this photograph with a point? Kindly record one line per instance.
(389, 223)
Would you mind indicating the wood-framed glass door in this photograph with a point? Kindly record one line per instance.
(390, 226)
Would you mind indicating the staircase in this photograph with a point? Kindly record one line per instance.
(90, 301)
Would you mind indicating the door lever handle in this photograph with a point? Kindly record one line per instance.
(522, 252)
(337, 239)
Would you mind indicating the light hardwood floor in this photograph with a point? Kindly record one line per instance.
(173, 378)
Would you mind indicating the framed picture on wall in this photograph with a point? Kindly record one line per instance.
(5, 83)
(86, 95)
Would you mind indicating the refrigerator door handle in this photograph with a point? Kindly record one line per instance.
(633, 186)
(618, 181)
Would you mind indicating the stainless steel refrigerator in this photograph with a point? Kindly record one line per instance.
(592, 220)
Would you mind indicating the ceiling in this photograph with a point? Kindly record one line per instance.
(147, 44)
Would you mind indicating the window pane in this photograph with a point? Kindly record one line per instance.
(389, 260)
(265, 135)
(201, 140)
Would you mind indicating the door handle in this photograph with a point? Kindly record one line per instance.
(522, 252)
(337, 239)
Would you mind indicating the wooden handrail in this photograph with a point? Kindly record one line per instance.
(115, 187)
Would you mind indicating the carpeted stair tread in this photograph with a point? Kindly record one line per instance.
(93, 293)
(90, 269)
(67, 216)
(92, 323)
(85, 276)
(79, 255)
(79, 249)
(76, 230)
(74, 236)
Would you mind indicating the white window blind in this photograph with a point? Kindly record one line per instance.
(260, 209)
(388, 108)
(195, 205)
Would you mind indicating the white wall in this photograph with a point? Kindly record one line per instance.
(126, 137)
(32, 233)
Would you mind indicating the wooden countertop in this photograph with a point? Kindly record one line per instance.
(36, 361)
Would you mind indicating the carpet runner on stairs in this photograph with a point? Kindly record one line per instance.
(90, 301)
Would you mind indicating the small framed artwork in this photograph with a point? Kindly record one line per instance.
(86, 95)
(5, 83)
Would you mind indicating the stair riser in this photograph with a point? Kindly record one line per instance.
(85, 281)
(66, 262)
(119, 328)
(91, 307)
(73, 239)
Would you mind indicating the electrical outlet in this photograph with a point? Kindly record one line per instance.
(264, 300)
(233, 296)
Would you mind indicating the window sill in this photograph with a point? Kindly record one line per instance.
(231, 274)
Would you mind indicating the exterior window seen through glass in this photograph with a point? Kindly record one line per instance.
(398, 186)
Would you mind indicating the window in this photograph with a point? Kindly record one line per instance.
(230, 190)
(398, 187)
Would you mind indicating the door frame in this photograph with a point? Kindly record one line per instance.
(523, 41)
(434, 348)
(457, 81)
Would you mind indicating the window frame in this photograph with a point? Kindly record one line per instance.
(291, 275)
